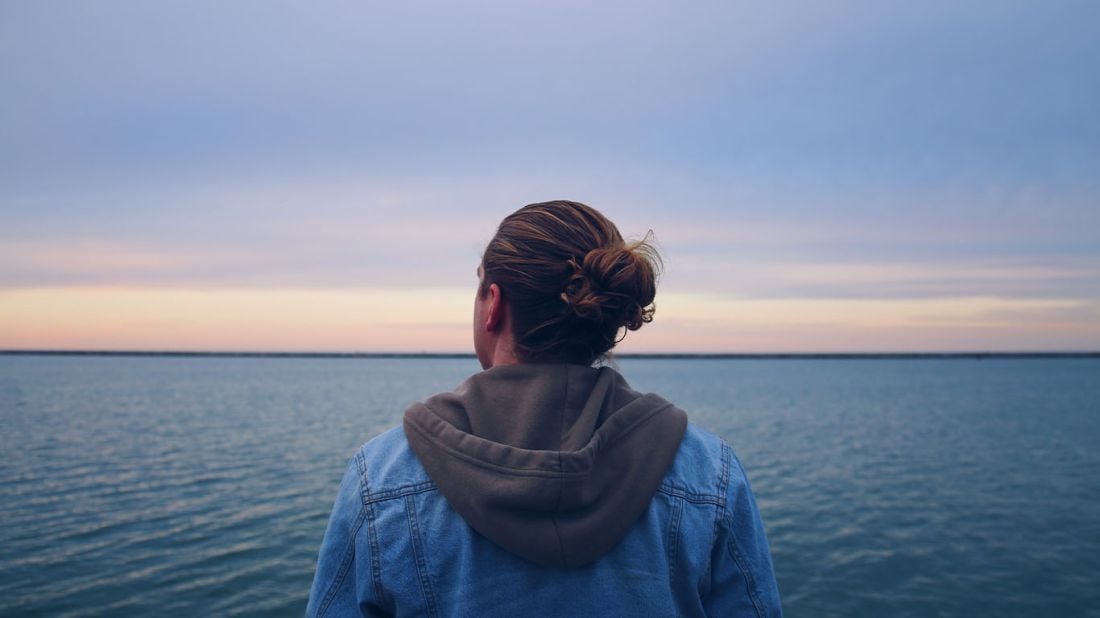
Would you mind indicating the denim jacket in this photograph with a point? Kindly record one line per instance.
(395, 547)
(549, 489)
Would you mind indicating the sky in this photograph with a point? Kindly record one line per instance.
(819, 176)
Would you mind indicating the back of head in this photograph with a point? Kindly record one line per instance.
(571, 282)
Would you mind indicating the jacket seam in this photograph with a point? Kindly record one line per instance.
(361, 468)
(673, 538)
(727, 519)
(375, 554)
(419, 558)
(723, 486)
(345, 565)
(372, 533)
(398, 492)
(720, 507)
(750, 582)
(694, 497)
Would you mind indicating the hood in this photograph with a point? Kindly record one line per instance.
(552, 462)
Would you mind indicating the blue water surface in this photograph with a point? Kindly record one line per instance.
(889, 487)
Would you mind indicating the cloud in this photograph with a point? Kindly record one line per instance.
(854, 151)
(233, 319)
(1005, 278)
(336, 231)
(37, 263)
(397, 319)
(818, 95)
(722, 323)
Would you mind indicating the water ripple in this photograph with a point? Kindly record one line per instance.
(889, 488)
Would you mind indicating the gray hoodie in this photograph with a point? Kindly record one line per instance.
(552, 462)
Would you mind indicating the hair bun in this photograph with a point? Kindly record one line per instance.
(613, 286)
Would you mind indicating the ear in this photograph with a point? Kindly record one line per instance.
(494, 316)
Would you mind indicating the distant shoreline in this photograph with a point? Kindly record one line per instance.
(660, 356)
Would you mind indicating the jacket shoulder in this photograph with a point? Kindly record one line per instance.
(701, 470)
(388, 467)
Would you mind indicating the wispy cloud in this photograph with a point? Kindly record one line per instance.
(886, 279)
(233, 319)
(395, 319)
(718, 323)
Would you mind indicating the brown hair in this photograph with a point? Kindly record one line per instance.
(570, 281)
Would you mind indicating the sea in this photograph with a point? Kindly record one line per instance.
(201, 486)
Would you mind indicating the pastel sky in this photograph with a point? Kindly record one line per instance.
(820, 176)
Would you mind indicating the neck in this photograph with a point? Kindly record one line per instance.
(503, 352)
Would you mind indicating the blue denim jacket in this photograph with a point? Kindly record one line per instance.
(395, 547)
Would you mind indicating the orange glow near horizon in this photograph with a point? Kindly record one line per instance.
(438, 320)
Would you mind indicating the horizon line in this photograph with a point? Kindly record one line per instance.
(978, 354)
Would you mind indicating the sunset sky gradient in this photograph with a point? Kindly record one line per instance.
(820, 176)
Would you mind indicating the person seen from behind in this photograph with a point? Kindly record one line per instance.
(544, 485)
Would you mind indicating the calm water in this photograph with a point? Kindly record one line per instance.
(889, 487)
